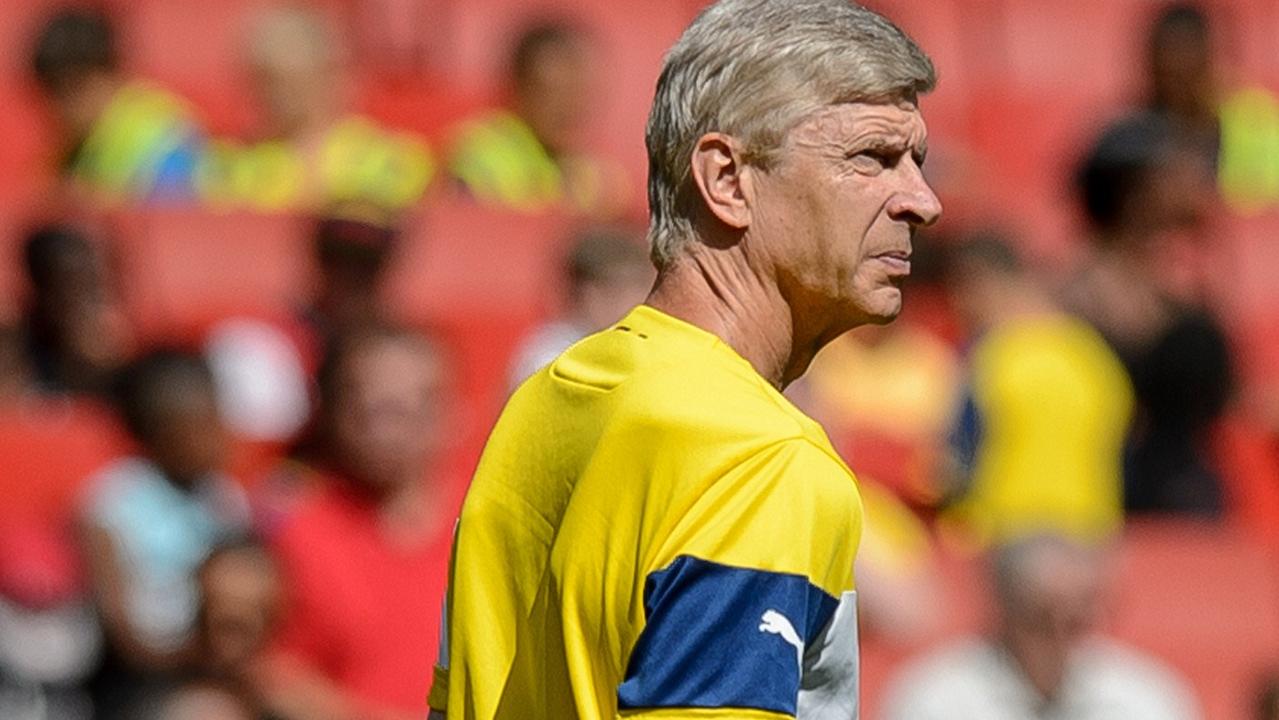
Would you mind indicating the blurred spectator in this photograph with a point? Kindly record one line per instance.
(1043, 658)
(314, 152)
(363, 556)
(1142, 191)
(123, 139)
(240, 599)
(353, 253)
(1183, 85)
(1234, 129)
(150, 521)
(1039, 440)
(528, 157)
(607, 273)
(77, 337)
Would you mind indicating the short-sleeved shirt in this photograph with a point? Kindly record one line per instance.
(363, 607)
(1042, 431)
(162, 533)
(655, 531)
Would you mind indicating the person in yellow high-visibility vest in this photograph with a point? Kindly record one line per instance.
(527, 157)
(314, 153)
(123, 139)
(1236, 129)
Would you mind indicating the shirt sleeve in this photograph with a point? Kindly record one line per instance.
(749, 609)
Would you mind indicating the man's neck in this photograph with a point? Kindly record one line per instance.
(718, 291)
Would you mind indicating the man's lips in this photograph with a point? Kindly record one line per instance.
(896, 261)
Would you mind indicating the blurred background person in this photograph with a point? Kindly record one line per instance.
(150, 520)
(607, 273)
(529, 156)
(1044, 658)
(1230, 121)
(240, 596)
(1183, 87)
(1142, 189)
(76, 332)
(1039, 438)
(121, 139)
(314, 151)
(240, 601)
(363, 556)
(353, 252)
(352, 255)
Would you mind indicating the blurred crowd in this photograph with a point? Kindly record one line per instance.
(249, 516)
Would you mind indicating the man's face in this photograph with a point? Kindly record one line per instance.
(190, 440)
(837, 212)
(555, 94)
(1056, 609)
(385, 422)
(240, 591)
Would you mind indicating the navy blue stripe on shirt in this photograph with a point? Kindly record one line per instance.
(718, 636)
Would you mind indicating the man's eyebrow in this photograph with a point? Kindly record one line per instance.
(880, 143)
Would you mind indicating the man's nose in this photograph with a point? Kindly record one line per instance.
(916, 203)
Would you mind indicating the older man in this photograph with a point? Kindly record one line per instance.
(654, 529)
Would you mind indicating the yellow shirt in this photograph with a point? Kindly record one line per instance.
(500, 162)
(357, 161)
(1051, 405)
(653, 531)
(144, 146)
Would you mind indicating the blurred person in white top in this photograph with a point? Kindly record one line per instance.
(1044, 659)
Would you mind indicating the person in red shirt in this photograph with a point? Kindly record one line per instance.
(364, 555)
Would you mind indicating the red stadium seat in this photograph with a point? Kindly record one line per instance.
(48, 450)
(1088, 47)
(182, 270)
(1207, 601)
(429, 108)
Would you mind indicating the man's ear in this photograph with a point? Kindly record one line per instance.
(721, 176)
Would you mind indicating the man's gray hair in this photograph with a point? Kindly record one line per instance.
(753, 69)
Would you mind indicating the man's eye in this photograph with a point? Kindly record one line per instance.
(870, 160)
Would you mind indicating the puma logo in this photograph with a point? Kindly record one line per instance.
(777, 624)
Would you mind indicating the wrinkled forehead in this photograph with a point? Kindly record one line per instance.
(895, 122)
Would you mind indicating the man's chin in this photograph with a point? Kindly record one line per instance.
(885, 307)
